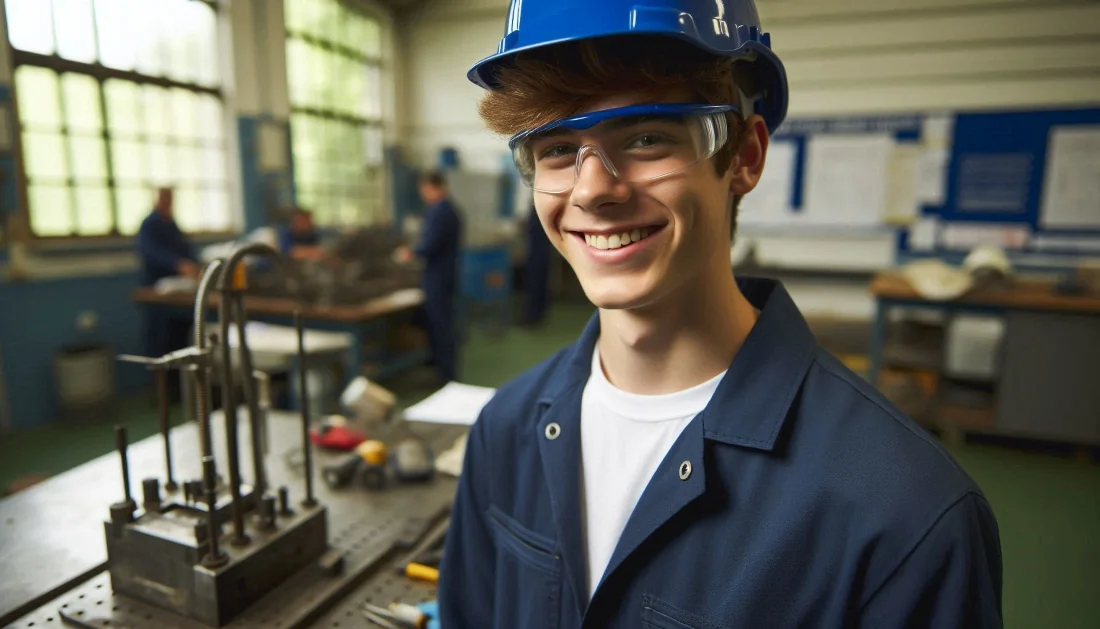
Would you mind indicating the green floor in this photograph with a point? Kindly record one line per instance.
(1048, 507)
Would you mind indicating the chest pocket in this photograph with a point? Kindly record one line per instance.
(528, 576)
(657, 614)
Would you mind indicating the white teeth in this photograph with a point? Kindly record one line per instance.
(615, 241)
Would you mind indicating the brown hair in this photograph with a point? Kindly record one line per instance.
(554, 82)
(434, 178)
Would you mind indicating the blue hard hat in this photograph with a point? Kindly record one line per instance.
(723, 27)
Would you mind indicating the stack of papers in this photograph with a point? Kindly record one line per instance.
(455, 403)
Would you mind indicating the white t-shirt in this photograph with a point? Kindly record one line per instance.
(624, 437)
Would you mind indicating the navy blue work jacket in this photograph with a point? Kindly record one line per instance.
(439, 245)
(808, 501)
(162, 246)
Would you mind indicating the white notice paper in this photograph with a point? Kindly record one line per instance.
(901, 190)
(924, 234)
(455, 403)
(1071, 190)
(846, 179)
(770, 200)
(932, 176)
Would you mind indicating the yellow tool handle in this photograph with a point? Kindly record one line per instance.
(421, 572)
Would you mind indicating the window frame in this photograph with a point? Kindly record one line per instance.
(21, 230)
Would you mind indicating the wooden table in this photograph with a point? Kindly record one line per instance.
(366, 321)
(1029, 356)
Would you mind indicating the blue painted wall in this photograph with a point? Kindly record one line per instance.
(38, 318)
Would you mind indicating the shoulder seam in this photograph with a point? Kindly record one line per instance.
(920, 540)
(893, 413)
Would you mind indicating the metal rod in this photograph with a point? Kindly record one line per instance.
(215, 557)
(303, 401)
(121, 444)
(259, 472)
(200, 378)
(162, 395)
(229, 408)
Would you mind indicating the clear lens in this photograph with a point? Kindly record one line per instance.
(633, 148)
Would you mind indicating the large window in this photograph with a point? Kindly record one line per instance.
(115, 99)
(334, 73)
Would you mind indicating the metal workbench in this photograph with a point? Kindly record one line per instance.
(53, 554)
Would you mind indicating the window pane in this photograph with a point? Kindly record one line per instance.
(188, 209)
(372, 94)
(93, 211)
(188, 164)
(183, 115)
(128, 160)
(50, 210)
(81, 98)
(216, 208)
(213, 165)
(146, 30)
(325, 19)
(124, 105)
(155, 101)
(297, 14)
(297, 69)
(204, 44)
(134, 204)
(75, 29)
(113, 27)
(373, 150)
(44, 154)
(89, 158)
(30, 25)
(372, 38)
(39, 98)
(159, 165)
(179, 31)
(211, 122)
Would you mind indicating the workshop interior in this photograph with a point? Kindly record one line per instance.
(231, 394)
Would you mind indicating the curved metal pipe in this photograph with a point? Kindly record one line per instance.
(200, 374)
(226, 309)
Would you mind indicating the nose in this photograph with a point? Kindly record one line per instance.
(598, 183)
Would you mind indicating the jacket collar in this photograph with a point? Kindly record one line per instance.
(750, 405)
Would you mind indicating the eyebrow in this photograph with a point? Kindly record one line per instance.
(613, 124)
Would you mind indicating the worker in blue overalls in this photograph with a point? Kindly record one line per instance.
(299, 239)
(695, 459)
(438, 249)
(165, 252)
(536, 273)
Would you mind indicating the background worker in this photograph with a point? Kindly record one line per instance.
(438, 249)
(536, 274)
(165, 252)
(299, 239)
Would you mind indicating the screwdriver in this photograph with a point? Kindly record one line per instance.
(403, 613)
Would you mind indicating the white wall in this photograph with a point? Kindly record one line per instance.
(842, 57)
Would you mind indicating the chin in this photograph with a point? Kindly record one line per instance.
(611, 294)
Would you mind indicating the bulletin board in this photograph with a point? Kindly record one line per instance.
(1028, 181)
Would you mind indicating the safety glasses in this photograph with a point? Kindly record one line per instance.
(636, 143)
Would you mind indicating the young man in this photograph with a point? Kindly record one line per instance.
(695, 459)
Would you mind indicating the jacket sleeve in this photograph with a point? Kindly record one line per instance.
(438, 225)
(951, 579)
(155, 251)
(468, 569)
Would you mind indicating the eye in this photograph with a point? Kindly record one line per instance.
(647, 140)
(556, 151)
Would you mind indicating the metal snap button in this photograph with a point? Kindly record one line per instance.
(553, 431)
(685, 470)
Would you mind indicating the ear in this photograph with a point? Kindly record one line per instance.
(748, 163)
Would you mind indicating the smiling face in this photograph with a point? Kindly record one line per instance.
(634, 243)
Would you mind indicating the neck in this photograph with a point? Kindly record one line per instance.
(688, 338)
